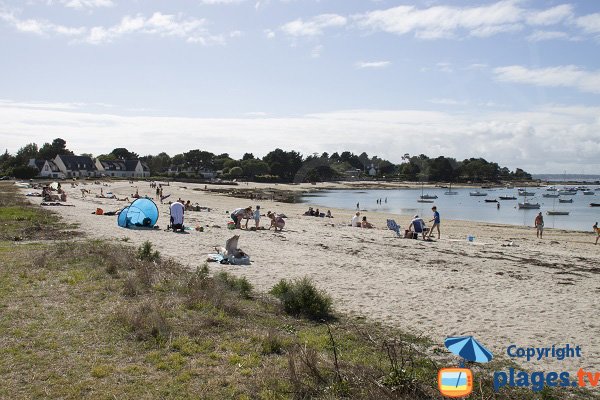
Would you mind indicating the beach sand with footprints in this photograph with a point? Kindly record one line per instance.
(506, 287)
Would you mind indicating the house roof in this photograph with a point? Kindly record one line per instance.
(39, 164)
(53, 166)
(122, 165)
(77, 162)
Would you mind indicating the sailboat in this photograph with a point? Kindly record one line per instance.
(554, 211)
(525, 205)
(425, 198)
(449, 191)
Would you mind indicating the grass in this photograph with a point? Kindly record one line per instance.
(93, 321)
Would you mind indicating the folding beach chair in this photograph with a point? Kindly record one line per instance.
(393, 226)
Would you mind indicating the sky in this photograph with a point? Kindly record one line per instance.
(514, 81)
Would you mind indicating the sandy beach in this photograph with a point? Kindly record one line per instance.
(506, 287)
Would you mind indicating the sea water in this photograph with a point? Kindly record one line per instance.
(464, 207)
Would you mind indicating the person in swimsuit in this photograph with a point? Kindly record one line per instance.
(597, 231)
(539, 225)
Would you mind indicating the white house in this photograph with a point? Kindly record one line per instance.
(75, 166)
(123, 168)
(46, 168)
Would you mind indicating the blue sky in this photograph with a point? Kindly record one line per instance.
(517, 82)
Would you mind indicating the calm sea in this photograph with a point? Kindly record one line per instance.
(462, 206)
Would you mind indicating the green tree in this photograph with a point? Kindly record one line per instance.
(284, 164)
(248, 156)
(253, 167)
(122, 153)
(25, 153)
(236, 172)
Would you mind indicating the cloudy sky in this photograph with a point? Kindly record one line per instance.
(517, 82)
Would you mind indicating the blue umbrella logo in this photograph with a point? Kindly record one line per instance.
(468, 348)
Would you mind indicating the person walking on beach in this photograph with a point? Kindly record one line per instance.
(539, 225)
(436, 222)
(357, 206)
(597, 230)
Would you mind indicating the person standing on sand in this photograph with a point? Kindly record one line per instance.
(436, 222)
(539, 225)
(597, 231)
(357, 206)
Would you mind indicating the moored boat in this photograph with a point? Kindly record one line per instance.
(565, 200)
(594, 204)
(523, 192)
(554, 212)
(428, 196)
(477, 193)
(528, 206)
(507, 198)
(588, 192)
(491, 200)
(550, 195)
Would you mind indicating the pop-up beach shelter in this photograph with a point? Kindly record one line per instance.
(142, 213)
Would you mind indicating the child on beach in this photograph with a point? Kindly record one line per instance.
(257, 216)
(597, 230)
(276, 221)
(436, 222)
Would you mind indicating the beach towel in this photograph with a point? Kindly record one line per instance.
(392, 225)
(177, 213)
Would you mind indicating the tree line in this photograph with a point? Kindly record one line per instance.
(282, 166)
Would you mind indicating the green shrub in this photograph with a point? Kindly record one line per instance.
(240, 285)
(145, 252)
(301, 297)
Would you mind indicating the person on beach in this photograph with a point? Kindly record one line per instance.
(240, 213)
(417, 225)
(358, 206)
(436, 222)
(365, 224)
(539, 225)
(356, 220)
(328, 215)
(597, 230)
(257, 216)
(276, 221)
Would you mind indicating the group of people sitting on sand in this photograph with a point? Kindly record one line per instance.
(239, 214)
(357, 222)
(316, 213)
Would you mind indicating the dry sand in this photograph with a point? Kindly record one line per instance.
(534, 293)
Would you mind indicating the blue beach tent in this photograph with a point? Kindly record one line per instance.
(142, 213)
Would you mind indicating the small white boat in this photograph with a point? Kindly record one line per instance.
(428, 196)
(565, 200)
(529, 206)
(477, 193)
(507, 197)
(589, 192)
(557, 212)
(550, 195)
(450, 193)
(567, 192)
(525, 193)
(424, 201)
(551, 189)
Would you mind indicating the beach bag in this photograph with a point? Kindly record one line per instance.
(99, 211)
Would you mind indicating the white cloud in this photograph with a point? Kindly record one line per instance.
(372, 64)
(564, 136)
(561, 76)
(539, 36)
(551, 16)
(83, 4)
(443, 21)
(269, 33)
(589, 23)
(39, 27)
(313, 26)
(159, 24)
